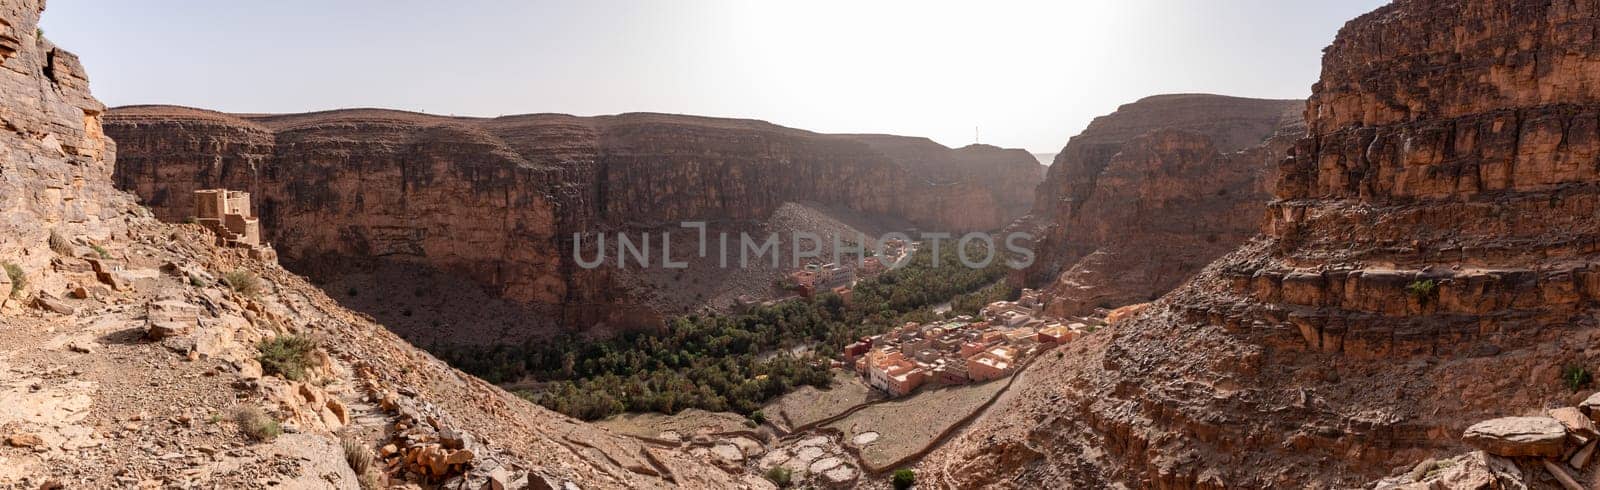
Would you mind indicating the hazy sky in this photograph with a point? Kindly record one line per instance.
(1027, 74)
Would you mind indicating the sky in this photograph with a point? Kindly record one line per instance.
(1013, 74)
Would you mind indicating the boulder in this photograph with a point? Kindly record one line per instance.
(170, 317)
(1591, 406)
(24, 440)
(53, 305)
(1576, 422)
(159, 330)
(1518, 436)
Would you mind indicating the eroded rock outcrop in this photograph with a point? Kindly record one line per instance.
(121, 354)
(497, 200)
(1428, 263)
(1147, 195)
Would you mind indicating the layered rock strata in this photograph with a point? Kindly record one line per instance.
(125, 362)
(497, 200)
(1147, 195)
(1429, 261)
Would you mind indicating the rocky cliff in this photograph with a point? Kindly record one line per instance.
(1147, 195)
(497, 200)
(975, 187)
(1428, 262)
(134, 353)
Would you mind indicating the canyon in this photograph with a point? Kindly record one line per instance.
(1427, 262)
(1320, 293)
(494, 203)
(1149, 194)
(130, 346)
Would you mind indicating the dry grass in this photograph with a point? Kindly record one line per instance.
(19, 279)
(243, 282)
(359, 456)
(256, 423)
(60, 244)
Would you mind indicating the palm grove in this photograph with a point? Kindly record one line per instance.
(730, 362)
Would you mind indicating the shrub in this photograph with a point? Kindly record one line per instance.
(101, 251)
(60, 244)
(286, 355)
(1575, 377)
(904, 478)
(19, 279)
(758, 417)
(1423, 290)
(255, 422)
(357, 454)
(359, 457)
(780, 476)
(242, 282)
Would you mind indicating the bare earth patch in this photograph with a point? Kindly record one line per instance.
(809, 404)
(908, 426)
(684, 425)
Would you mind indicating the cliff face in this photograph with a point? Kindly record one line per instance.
(1147, 195)
(117, 338)
(975, 187)
(497, 200)
(1429, 262)
(52, 140)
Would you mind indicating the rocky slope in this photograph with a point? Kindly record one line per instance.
(496, 201)
(1147, 195)
(1428, 262)
(123, 357)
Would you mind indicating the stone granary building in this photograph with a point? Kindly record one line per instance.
(227, 213)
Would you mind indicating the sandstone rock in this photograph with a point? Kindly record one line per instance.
(499, 479)
(1581, 459)
(1434, 126)
(727, 452)
(545, 176)
(1147, 194)
(24, 440)
(170, 318)
(160, 330)
(1591, 407)
(1518, 436)
(57, 306)
(1576, 422)
(66, 182)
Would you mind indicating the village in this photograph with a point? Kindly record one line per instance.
(953, 351)
(962, 349)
